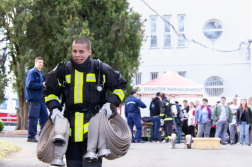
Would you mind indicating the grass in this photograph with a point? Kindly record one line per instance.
(6, 148)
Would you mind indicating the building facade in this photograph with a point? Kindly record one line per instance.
(220, 25)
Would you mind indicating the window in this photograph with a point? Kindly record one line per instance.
(138, 78)
(213, 29)
(181, 28)
(4, 104)
(154, 75)
(182, 73)
(167, 31)
(153, 34)
(214, 86)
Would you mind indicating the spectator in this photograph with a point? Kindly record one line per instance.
(185, 119)
(177, 121)
(191, 119)
(34, 85)
(197, 103)
(132, 112)
(213, 127)
(243, 118)
(222, 114)
(155, 117)
(233, 130)
(250, 106)
(204, 119)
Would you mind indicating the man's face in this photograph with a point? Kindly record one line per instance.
(80, 53)
(196, 103)
(223, 101)
(185, 103)
(235, 100)
(204, 103)
(249, 100)
(39, 64)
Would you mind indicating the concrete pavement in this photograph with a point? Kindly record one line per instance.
(146, 155)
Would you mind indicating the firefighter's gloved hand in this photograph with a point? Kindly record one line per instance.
(55, 112)
(109, 108)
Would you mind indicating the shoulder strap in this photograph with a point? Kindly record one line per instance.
(99, 78)
(62, 79)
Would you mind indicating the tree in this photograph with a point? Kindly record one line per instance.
(115, 32)
(14, 16)
(47, 28)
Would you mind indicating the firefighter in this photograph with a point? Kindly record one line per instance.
(166, 115)
(84, 86)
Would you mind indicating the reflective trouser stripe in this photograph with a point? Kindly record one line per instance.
(78, 127)
(119, 93)
(168, 137)
(90, 77)
(51, 97)
(68, 78)
(70, 132)
(78, 87)
(168, 119)
(86, 127)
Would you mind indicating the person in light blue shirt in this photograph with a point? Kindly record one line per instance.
(132, 113)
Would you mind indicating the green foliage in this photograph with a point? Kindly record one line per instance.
(115, 32)
(1, 125)
(47, 28)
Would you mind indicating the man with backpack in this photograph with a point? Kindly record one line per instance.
(155, 117)
(83, 82)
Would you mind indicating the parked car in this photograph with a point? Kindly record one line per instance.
(8, 111)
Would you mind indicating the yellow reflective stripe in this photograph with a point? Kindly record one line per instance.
(86, 127)
(78, 132)
(119, 93)
(167, 137)
(78, 87)
(161, 115)
(59, 82)
(68, 78)
(70, 132)
(104, 78)
(51, 97)
(168, 119)
(167, 104)
(90, 77)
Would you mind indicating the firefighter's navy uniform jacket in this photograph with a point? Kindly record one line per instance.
(80, 89)
(166, 114)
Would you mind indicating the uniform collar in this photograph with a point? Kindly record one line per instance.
(81, 67)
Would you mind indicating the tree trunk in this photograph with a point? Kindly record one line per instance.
(22, 113)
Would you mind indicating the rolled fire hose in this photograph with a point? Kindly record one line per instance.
(107, 138)
(53, 141)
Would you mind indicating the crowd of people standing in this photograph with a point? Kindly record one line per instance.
(197, 120)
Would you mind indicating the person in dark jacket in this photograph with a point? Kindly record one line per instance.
(177, 121)
(155, 118)
(243, 119)
(34, 85)
(132, 113)
(167, 116)
(185, 119)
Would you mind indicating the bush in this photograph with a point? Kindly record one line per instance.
(1, 125)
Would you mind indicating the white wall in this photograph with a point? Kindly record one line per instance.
(198, 62)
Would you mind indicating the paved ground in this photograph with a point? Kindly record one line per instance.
(146, 155)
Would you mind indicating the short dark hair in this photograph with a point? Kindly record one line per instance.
(223, 98)
(176, 102)
(158, 94)
(185, 101)
(38, 58)
(132, 92)
(83, 41)
(162, 95)
(205, 100)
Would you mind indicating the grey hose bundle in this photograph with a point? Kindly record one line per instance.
(53, 141)
(113, 134)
